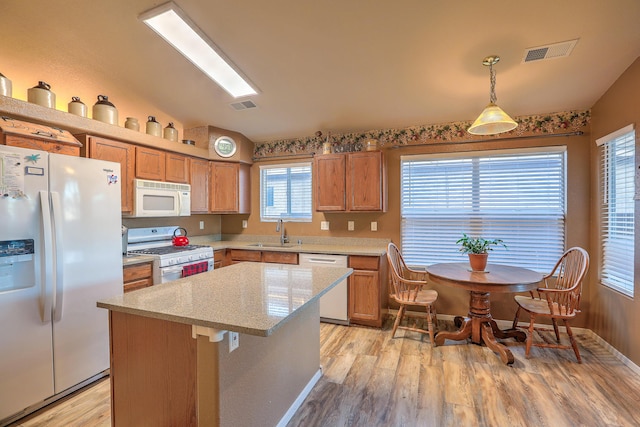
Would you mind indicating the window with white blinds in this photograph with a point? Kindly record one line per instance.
(285, 192)
(514, 195)
(617, 171)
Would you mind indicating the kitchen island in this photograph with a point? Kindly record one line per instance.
(171, 362)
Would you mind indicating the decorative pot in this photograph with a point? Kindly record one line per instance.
(153, 127)
(170, 132)
(478, 262)
(77, 107)
(5, 86)
(42, 95)
(132, 123)
(104, 111)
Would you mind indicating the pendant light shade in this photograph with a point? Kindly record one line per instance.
(492, 120)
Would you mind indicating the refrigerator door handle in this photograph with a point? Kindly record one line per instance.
(57, 221)
(46, 288)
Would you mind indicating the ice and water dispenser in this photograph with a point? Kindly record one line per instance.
(16, 264)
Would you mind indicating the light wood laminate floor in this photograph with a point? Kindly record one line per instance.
(373, 380)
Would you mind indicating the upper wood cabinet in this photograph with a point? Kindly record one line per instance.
(351, 182)
(330, 173)
(229, 190)
(114, 151)
(199, 180)
(43, 145)
(177, 168)
(150, 163)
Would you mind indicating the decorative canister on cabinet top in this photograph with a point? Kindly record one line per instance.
(105, 111)
(77, 107)
(5, 86)
(42, 95)
(132, 123)
(171, 133)
(153, 127)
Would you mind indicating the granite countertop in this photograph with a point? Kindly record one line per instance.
(135, 259)
(251, 298)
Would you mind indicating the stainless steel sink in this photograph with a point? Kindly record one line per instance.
(271, 245)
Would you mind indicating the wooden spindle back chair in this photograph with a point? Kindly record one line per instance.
(559, 299)
(408, 290)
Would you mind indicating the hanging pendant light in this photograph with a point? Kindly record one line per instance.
(492, 120)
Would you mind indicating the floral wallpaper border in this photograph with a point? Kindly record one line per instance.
(568, 121)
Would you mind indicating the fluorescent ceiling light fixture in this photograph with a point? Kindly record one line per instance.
(173, 25)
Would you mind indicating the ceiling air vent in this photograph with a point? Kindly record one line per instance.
(550, 51)
(243, 105)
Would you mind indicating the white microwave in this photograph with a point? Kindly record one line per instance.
(155, 198)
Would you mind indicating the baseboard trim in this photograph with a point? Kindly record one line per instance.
(583, 331)
(301, 397)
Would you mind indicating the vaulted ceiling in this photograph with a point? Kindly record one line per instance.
(332, 65)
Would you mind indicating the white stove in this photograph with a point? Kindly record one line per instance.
(170, 262)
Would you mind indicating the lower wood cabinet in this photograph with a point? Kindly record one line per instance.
(241, 255)
(367, 290)
(219, 258)
(137, 276)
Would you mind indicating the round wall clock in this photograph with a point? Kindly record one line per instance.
(225, 146)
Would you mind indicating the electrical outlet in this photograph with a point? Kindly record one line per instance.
(244, 223)
(351, 225)
(201, 225)
(374, 226)
(234, 341)
(324, 225)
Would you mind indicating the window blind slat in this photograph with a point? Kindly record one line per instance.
(518, 197)
(617, 175)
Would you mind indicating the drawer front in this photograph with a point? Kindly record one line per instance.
(242, 255)
(218, 255)
(136, 272)
(280, 257)
(358, 262)
(138, 284)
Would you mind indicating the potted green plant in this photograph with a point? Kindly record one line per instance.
(478, 250)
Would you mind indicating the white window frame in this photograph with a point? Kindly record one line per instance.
(272, 218)
(432, 224)
(617, 232)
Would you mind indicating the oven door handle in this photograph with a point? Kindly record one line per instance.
(171, 270)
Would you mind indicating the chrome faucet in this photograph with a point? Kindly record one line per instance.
(283, 235)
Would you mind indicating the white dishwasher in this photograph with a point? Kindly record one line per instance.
(333, 304)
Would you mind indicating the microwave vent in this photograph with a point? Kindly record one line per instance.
(550, 51)
(143, 183)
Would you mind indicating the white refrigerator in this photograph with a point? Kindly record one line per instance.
(60, 252)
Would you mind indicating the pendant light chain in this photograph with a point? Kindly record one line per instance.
(492, 77)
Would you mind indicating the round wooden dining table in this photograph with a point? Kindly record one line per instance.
(479, 325)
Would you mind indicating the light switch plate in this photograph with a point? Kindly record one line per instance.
(374, 226)
(324, 225)
(351, 225)
(244, 223)
(201, 225)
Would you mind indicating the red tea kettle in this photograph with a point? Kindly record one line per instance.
(180, 240)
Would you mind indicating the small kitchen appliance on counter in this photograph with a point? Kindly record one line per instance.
(170, 262)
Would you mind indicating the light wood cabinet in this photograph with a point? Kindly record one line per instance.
(219, 258)
(330, 171)
(199, 181)
(114, 151)
(176, 168)
(56, 147)
(280, 257)
(229, 188)
(150, 163)
(241, 255)
(351, 182)
(367, 290)
(137, 276)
